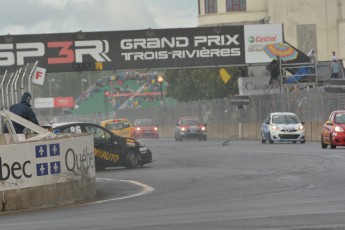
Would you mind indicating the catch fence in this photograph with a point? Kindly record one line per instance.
(311, 105)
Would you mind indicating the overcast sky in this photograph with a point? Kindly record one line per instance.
(64, 16)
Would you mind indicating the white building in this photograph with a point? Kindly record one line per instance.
(308, 24)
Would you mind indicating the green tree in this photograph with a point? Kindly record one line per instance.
(200, 84)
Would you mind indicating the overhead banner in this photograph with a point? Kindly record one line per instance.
(160, 48)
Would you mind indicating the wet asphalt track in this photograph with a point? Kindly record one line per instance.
(204, 185)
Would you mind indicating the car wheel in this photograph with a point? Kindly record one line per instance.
(323, 145)
(303, 142)
(270, 139)
(131, 160)
(205, 138)
(140, 160)
(263, 141)
(331, 143)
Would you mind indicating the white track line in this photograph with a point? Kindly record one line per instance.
(145, 189)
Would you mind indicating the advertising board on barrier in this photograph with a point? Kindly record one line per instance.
(257, 86)
(151, 48)
(56, 102)
(30, 164)
(334, 86)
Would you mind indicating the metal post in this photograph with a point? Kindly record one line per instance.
(82, 85)
(160, 80)
(15, 86)
(2, 89)
(12, 86)
(29, 82)
(7, 94)
(22, 80)
(50, 93)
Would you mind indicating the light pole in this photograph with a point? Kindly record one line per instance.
(82, 85)
(50, 93)
(160, 80)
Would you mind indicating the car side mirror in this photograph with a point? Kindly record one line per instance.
(267, 122)
(205, 125)
(177, 124)
(302, 122)
(329, 122)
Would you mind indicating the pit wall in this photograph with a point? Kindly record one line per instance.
(35, 174)
(249, 131)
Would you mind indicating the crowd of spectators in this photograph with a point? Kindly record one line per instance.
(121, 87)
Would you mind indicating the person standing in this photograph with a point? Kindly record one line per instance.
(24, 110)
(334, 57)
(335, 69)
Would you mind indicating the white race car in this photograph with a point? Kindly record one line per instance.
(282, 127)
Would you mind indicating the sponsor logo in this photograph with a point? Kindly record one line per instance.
(180, 47)
(15, 170)
(68, 52)
(257, 43)
(113, 157)
(79, 161)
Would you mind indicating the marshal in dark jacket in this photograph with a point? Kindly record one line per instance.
(23, 109)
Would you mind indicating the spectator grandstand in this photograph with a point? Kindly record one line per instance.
(123, 89)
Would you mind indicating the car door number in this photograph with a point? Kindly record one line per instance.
(75, 129)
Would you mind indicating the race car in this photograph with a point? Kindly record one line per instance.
(110, 150)
(190, 128)
(121, 126)
(282, 127)
(333, 130)
(145, 128)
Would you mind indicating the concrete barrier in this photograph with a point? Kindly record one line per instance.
(46, 173)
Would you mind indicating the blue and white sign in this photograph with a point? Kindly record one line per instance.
(39, 163)
(41, 151)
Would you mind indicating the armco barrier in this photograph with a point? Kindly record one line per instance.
(46, 173)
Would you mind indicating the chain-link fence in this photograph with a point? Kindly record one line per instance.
(311, 105)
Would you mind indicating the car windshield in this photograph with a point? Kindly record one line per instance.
(339, 118)
(285, 119)
(190, 122)
(115, 126)
(145, 123)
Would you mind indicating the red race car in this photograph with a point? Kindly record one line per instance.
(190, 128)
(145, 128)
(333, 130)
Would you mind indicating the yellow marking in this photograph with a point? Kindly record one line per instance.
(99, 65)
(107, 155)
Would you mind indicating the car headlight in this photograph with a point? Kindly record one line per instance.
(274, 127)
(203, 128)
(338, 129)
(138, 128)
(301, 127)
(155, 128)
(183, 129)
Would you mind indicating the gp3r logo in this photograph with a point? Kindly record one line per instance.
(68, 52)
